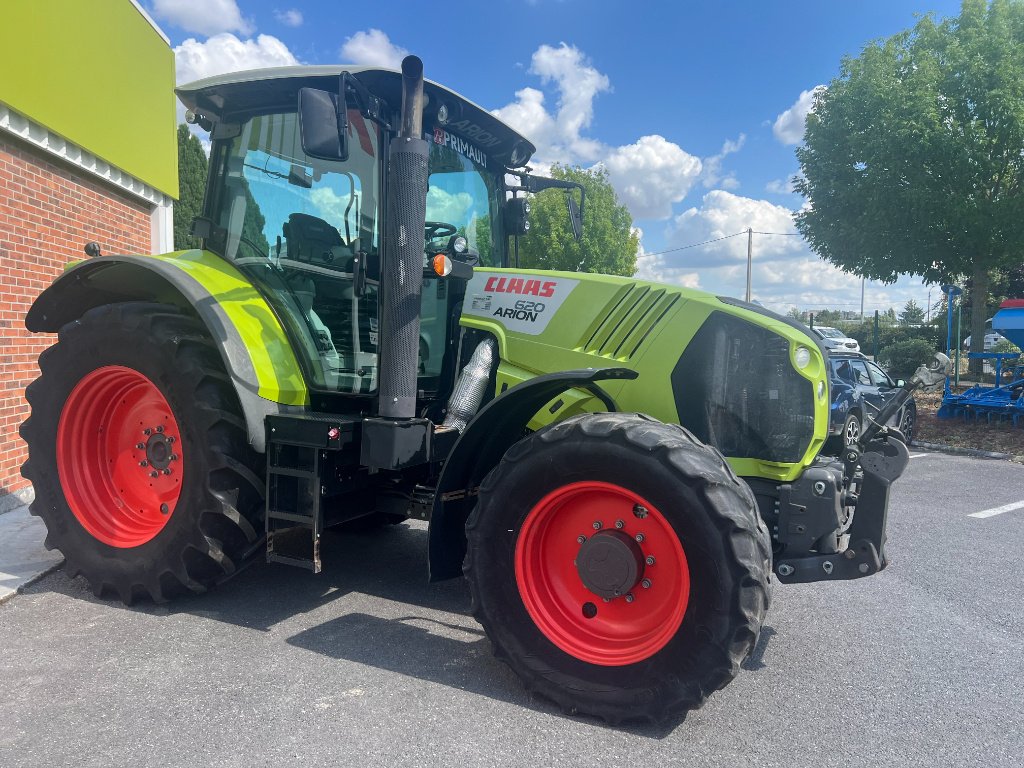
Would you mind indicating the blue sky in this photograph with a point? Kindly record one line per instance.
(694, 107)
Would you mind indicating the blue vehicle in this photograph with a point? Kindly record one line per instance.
(859, 389)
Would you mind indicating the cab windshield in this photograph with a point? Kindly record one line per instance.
(309, 232)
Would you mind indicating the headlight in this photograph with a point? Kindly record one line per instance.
(802, 358)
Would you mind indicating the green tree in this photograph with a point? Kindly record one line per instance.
(828, 317)
(192, 167)
(912, 158)
(795, 314)
(609, 244)
(911, 314)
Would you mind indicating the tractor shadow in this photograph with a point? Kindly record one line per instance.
(371, 604)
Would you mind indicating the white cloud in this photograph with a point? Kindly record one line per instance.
(780, 186)
(712, 175)
(373, 47)
(722, 213)
(651, 266)
(559, 135)
(203, 17)
(650, 175)
(226, 53)
(290, 18)
(786, 273)
(789, 126)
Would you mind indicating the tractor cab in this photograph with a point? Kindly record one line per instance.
(309, 230)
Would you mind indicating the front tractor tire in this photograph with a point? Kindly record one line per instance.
(139, 456)
(618, 566)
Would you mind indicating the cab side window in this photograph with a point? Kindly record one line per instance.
(860, 371)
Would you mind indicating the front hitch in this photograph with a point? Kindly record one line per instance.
(810, 508)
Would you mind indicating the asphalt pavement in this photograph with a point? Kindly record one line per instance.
(368, 665)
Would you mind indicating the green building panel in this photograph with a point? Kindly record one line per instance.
(97, 73)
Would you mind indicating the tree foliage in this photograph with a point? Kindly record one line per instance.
(912, 159)
(911, 314)
(192, 167)
(609, 244)
(902, 358)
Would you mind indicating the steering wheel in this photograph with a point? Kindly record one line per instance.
(435, 229)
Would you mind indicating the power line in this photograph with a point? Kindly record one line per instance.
(784, 234)
(695, 245)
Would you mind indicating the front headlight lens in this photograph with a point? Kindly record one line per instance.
(802, 358)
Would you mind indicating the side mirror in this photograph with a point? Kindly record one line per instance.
(901, 383)
(323, 125)
(575, 217)
(517, 220)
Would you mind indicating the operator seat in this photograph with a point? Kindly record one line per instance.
(312, 240)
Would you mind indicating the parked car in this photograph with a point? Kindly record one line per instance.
(859, 390)
(991, 339)
(833, 338)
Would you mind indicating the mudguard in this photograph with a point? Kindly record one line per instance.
(252, 343)
(495, 429)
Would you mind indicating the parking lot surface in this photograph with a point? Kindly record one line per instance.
(367, 664)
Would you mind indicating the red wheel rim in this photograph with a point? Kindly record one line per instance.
(119, 456)
(618, 630)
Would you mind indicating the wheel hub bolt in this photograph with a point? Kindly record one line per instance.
(170, 438)
(167, 471)
(619, 524)
(140, 446)
(639, 538)
(646, 583)
(629, 597)
(606, 599)
(581, 539)
(147, 431)
(640, 511)
(159, 429)
(154, 474)
(597, 525)
(164, 509)
(143, 463)
(174, 457)
(650, 560)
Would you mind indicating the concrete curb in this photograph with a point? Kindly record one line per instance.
(24, 558)
(30, 581)
(963, 451)
(22, 498)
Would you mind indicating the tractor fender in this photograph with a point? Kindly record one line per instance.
(252, 343)
(496, 428)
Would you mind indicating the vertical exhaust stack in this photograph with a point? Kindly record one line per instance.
(402, 271)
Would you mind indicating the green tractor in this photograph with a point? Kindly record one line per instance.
(616, 466)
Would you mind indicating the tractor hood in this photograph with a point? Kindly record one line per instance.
(235, 95)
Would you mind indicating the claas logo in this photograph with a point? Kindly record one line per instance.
(521, 286)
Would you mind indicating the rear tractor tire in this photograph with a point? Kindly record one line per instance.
(618, 566)
(139, 456)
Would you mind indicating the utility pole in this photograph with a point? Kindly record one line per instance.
(750, 257)
(862, 298)
(928, 314)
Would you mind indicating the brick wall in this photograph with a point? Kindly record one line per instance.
(48, 212)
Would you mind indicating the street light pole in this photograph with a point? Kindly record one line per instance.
(862, 298)
(750, 257)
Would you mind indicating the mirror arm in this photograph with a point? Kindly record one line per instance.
(370, 106)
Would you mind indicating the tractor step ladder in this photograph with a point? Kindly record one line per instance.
(293, 505)
(297, 451)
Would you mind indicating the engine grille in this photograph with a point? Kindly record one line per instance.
(736, 389)
(634, 315)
